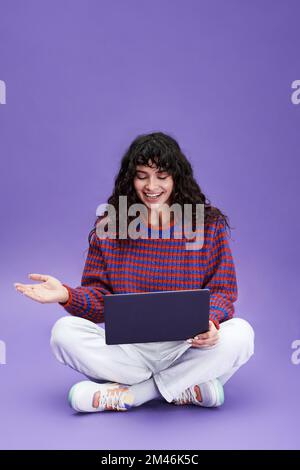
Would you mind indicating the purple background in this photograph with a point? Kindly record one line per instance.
(83, 79)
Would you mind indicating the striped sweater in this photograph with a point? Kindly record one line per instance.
(155, 264)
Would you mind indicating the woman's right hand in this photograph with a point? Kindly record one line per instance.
(50, 290)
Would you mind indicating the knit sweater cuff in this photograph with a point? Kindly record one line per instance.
(69, 301)
(215, 322)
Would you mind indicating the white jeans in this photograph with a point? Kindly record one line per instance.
(174, 365)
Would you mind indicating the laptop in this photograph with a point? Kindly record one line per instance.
(156, 316)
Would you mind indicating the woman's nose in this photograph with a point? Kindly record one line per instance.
(152, 185)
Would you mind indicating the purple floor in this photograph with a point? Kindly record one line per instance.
(261, 407)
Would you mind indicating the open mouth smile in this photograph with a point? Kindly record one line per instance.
(152, 196)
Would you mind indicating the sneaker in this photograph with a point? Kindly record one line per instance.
(208, 394)
(88, 396)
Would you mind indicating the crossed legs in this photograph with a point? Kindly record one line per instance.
(80, 344)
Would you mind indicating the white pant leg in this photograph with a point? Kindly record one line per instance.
(80, 344)
(198, 365)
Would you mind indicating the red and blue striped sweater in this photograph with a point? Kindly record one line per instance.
(146, 265)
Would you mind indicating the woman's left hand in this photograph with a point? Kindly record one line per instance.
(203, 340)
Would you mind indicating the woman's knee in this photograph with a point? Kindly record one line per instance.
(246, 336)
(242, 335)
(63, 330)
(244, 326)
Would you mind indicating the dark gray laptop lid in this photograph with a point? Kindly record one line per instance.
(156, 316)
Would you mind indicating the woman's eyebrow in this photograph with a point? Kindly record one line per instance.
(157, 171)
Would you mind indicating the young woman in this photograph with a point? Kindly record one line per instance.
(156, 173)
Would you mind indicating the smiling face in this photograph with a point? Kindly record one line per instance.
(153, 187)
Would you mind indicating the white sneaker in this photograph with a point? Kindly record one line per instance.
(208, 394)
(88, 396)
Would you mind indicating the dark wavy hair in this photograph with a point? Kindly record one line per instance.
(162, 150)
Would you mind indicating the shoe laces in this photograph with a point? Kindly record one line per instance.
(113, 399)
(187, 396)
